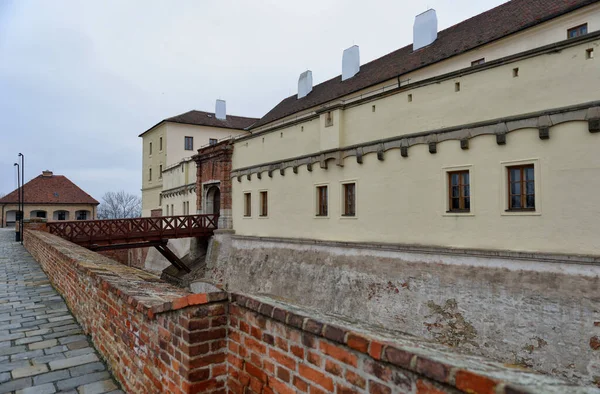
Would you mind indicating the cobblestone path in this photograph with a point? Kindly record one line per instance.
(42, 348)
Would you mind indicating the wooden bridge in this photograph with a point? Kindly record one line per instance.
(113, 234)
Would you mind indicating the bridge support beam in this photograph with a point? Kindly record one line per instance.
(172, 257)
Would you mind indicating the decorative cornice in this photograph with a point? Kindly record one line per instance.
(178, 191)
(541, 120)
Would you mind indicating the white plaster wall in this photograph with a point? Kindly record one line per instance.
(403, 200)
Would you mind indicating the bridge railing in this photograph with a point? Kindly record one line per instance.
(132, 230)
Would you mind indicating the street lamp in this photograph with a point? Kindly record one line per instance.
(22, 195)
(17, 217)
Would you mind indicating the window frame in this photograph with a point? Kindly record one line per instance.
(578, 30)
(150, 148)
(461, 197)
(213, 141)
(523, 187)
(329, 119)
(247, 204)
(445, 191)
(317, 205)
(263, 199)
(505, 211)
(160, 170)
(150, 174)
(185, 142)
(343, 200)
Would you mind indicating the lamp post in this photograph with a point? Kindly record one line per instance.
(22, 196)
(17, 217)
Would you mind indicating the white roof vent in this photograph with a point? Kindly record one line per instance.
(220, 110)
(425, 29)
(305, 84)
(350, 62)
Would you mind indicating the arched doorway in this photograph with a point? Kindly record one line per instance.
(213, 200)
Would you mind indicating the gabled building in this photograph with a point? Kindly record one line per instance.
(51, 197)
(169, 173)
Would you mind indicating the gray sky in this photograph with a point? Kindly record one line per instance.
(80, 80)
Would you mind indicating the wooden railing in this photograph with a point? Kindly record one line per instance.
(121, 231)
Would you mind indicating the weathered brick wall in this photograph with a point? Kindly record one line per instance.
(156, 338)
(160, 339)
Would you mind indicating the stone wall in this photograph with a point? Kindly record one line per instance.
(157, 338)
(151, 334)
(534, 310)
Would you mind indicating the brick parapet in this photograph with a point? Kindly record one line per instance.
(153, 335)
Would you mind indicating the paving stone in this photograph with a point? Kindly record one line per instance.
(43, 344)
(29, 371)
(7, 351)
(37, 332)
(56, 349)
(78, 345)
(48, 359)
(4, 376)
(51, 377)
(73, 361)
(82, 380)
(70, 339)
(87, 368)
(13, 385)
(24, 341)
(60, 318)
(43, 389)
(26, 355)
(98, 387)
(10, 366)
(63, 334)
(79, 352)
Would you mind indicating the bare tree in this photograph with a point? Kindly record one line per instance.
(120, 205)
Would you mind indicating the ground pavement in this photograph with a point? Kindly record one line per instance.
(42, 348)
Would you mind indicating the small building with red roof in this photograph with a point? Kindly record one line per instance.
(49, 196)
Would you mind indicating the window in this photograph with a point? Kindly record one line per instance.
(150, 174)
(328, 119)
(322, 201)
(589, 53)
(264, 207)
(189, 143)
(212, 141)
(521, 188)
(349, 199)
(247, 204)
(160, 144)
(183, 208)
(167, 209)
(577, 31)
(478, 62)
(62, 216)
(172, 210)
(410, 98)
(150, 147)
(82, 215)
(459, 191)
(160, 172)
(457, 86)
(40, 214)
(515, 72)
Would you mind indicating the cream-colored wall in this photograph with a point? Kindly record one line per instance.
(181, 174)
(403, 200)
(51, 208)
(544, 82)
(151, 188)
(535, 37)
(202, 134)
(175, 203)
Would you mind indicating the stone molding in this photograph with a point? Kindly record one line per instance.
(541, 120)
(431, 249)
(179, 191)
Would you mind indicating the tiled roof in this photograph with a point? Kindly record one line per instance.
(201, 118)
(55, 189)
(479, 30)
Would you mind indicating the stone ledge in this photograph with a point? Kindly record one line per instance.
(431, 249)
(145, 292)
(471, 374)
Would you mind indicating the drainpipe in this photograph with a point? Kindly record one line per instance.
(2, 220)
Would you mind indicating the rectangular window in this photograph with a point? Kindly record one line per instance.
(172, 210)
(264, 204)
(521, 188)
(150, 148)
(62, 216)
(459, 191)
(577, 31)
(160, 172)
(189, 143)
(160, 144)
(322, 201)
(349, 199)
(478, 62)
(167, 209)
(212, 141)
(247, 204)
(150, 174)
(82, 215)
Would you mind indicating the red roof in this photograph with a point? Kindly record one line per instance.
(50, 189)
(499, 22)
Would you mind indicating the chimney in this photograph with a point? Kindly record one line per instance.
(220, 110)
(47, 173)
(305, 84)
(425, 29)
(350, 62)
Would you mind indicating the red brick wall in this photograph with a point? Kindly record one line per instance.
(161, 339)
(214, 163)
(155, 337)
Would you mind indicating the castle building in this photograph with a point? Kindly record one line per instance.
(169, 173)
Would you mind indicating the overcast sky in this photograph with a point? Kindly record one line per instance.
(80, 80)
